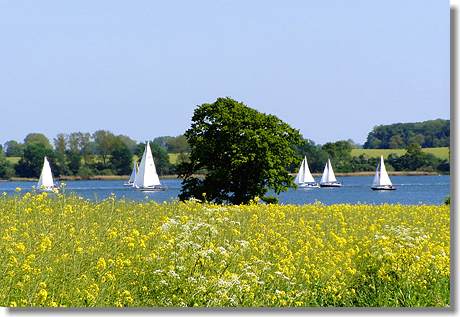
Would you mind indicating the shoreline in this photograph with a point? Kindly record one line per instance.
(125, 177)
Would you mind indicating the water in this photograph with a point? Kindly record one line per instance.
(356, 189)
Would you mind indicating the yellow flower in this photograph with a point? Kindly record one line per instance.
(42, 295)
(101, 265)
(126, 297)
(45, 244)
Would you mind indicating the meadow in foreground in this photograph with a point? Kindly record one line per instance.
(66, 251)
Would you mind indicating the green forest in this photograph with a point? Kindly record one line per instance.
(85, 154)
(427, 134)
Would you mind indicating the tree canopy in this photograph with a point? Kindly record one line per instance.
(431, 133)
(37, 138)
(243, 153)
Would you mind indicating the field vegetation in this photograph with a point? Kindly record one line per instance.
(13, 159)
(439, 152)
(64, 251)
(173, 158)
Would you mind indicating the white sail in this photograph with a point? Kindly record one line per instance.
(147, 175)
(328, 174)
(376, 180)
(331, 176)
(133, 174)
(46, 177)
(384, 178)
(325, 176)
(300, 175)
(381, 177)
(307, 177)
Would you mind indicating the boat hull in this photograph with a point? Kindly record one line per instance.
(383, 188)
(152, 189)
(330, 185)
(308, 185)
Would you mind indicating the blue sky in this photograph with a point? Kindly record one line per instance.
(333, 69)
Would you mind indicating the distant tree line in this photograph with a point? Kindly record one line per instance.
(432, 133)
(103, 153)
(340, 154)
(84, 154)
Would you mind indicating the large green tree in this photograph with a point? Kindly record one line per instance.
(243, 153)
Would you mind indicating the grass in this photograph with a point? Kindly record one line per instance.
(440, 152)
(13, 159)
(64, 251)
(173, 157)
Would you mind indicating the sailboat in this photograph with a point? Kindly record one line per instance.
(328, 179)
(381, 179)
(45, 182)
(147, 178)
(133, 175)
(304, 179)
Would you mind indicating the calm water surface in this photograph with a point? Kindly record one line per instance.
(356, 189)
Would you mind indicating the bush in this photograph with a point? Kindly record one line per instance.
(106, 172)
(447, 200)
(6, 168)
(85, 172)
(270, 200)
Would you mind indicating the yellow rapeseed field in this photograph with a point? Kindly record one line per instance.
(65, 251)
